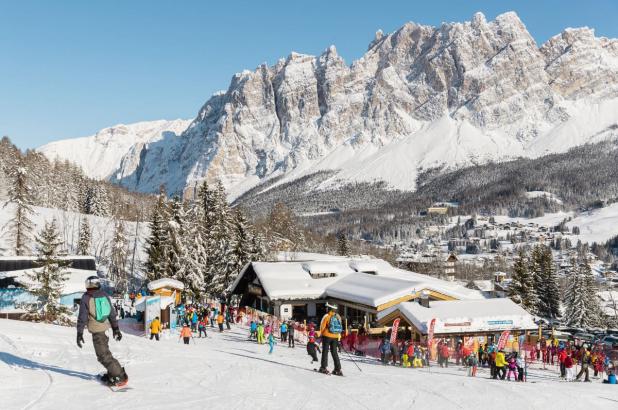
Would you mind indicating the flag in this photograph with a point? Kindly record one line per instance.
(394, 330)
(503, 338)
(430, 333)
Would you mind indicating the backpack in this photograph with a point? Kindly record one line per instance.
(102, 309)
(334, 325)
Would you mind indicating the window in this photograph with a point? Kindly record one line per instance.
(322, 275)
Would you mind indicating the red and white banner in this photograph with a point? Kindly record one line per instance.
(503, 338)
(430, 332)
(394, 330)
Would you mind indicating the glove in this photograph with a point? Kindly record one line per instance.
(80, 339)
(117, 334)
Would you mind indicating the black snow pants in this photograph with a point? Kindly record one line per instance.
(330, 344)
(104, 356)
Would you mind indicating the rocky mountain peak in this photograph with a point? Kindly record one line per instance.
(420, 97)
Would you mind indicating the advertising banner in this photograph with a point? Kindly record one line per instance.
(395, 328)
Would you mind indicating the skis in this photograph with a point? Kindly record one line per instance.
(327, 373)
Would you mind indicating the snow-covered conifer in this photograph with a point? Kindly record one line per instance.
(85, 237)
(20, 194)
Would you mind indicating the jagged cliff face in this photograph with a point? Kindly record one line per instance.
(420, 97)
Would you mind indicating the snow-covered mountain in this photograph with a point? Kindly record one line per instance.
(114, 151)
(421, 97)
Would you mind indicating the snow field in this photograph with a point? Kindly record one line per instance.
(42, 368)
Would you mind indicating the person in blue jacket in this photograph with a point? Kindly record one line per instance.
(284, 331)
(271, 342)
(253, 330)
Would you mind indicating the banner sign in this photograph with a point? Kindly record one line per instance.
(499, 322)
(394, 330)
(430, 332)
(503, 339)
(461, 324)
(151, 310)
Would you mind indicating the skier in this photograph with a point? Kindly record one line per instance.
(271, 342)
(330, 331)
(512, 367)
(155, 328)
(291, 335)
(311, 349)
(521, 363)
(500, 365)
(220, 322)
(185, 333)
(260, 333)
(253, 330)
(585, 361)
(201, 327)
(568, 366)
(284, 331)
(96, 313)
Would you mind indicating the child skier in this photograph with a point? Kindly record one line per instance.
(220, 322)
(253, 330)
(284, 331)
(290, 334)
(473, 363)
(568, 365)
(185, 333)
(512, 368)
(271, 342)
(311, 349)
(201, 326)
(521, 363)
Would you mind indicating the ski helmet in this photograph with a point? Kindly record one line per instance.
(331, 306)
(93, 282)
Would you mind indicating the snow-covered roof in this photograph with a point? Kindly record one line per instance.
(166, 283)
(370, 290)
(74, 284)
(289, 280)
(484, 285)
(164, 301)
(294, 281)
(459, 316)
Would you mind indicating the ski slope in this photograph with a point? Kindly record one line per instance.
(42, 368)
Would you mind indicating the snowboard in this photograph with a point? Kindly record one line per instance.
(115, 389)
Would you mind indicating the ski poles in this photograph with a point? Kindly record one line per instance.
(353, 361)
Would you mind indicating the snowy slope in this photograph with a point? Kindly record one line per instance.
(114, 148)
(598, 225)
(420, 97)
(68, 225)
(42, 368)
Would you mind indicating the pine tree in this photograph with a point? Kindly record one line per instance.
(258, 249)
(582, 307)
(195, 261)
(545, 282)
(521, 289)
(118, 257)
(175, 226)
(48, 279)
(242, 242)
(343, 248)
(220, 244)
(83, 244)
(20, 226)
(157, 243)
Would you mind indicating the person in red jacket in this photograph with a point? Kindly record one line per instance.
(444, 354)
(568, 364)
(562, 354)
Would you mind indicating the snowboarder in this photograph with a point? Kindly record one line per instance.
(290, 334)
(271, 342)
(330, 331)
(96, 313)
(311, 349)
(155, 328)
(186, 334)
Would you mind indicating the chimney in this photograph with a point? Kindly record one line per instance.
(425, 298)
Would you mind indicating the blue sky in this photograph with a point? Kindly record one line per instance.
(70, 68)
